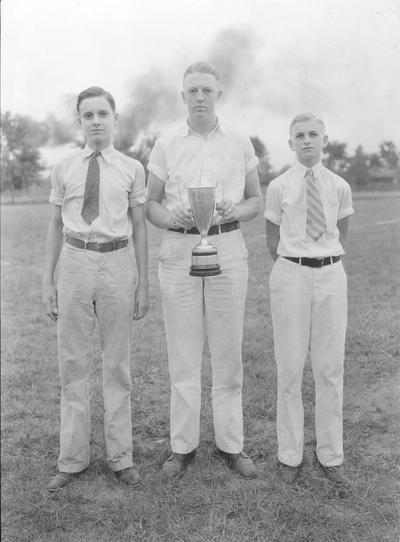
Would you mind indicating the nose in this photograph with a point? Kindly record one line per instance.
(200, 96)
(96, 120)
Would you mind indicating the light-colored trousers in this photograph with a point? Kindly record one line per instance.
(92, 286)
(309, 309)
(194, 307)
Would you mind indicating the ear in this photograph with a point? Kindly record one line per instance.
(219, 95)
(324, 141)
(291, 145)
(78, 120)
(116, 117)
(183, 97)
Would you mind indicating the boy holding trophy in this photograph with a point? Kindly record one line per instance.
(210, 298)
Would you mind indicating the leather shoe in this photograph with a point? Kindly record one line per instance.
(128, 476)
(287, 473)
(240, 463)
(176, 464)
(60, 480)
(335, 474)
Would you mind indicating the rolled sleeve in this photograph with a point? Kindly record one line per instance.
(273, 209)
(345, 202)
(157, 162)
(57, 190)
(138, 195)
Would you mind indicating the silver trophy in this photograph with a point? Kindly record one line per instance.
(204, 255)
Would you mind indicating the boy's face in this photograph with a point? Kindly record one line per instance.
(97, 120)
(307, 140)
(201, 93)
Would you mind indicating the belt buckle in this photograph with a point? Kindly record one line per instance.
(322, 262)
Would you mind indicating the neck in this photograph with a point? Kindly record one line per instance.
(309, 163)
(98, 146)
(203, 126)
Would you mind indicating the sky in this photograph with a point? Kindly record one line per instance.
(337, 58)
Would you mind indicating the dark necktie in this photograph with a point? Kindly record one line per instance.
(316, 223)
(90, 208)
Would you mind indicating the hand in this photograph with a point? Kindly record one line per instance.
(49, 299)
(141, 301)
(227, 210)
(182, 218)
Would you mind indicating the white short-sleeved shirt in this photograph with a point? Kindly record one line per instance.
(184, 157)
(286, 206)
(122, 185)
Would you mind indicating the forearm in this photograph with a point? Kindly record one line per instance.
(249, 208)
(273, 237)
(54, 243)
(159, 216)
(343, 227)
(140, 245)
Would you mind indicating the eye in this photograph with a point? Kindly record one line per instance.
(87, 116)
(103, 113)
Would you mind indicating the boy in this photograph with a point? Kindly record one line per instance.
(202, 149)
(98, 196)
(307, 213)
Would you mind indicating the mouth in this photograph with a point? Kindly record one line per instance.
(97, 131)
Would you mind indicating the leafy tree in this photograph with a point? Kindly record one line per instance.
(375, 160)
(20, 159)
(358, 172)
(61, 131)
(389, 154)
(335, 156)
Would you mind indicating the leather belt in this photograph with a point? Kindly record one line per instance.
(314, 262)
(108, 246)
(214, 230)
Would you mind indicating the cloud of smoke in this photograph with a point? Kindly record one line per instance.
(152, 99)
(232, 52)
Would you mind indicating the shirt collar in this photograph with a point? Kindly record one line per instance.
(106, 153)
(186, 130)
(301, 168)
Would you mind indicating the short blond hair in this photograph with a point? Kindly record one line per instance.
(303, 117)
(202, 67)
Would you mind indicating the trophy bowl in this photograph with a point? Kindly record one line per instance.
(204, 255)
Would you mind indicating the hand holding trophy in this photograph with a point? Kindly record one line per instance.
(204, 255)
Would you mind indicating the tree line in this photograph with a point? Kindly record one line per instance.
(22, 137)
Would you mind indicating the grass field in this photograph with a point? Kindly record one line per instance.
(208, 503)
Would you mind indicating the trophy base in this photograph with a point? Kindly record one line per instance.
(204, 264)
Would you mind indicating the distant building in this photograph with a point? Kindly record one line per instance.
(385, 177)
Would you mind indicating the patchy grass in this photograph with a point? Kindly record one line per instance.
(208, 503)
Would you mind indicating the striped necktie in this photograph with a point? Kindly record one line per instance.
(90, 208)
(316, 223)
